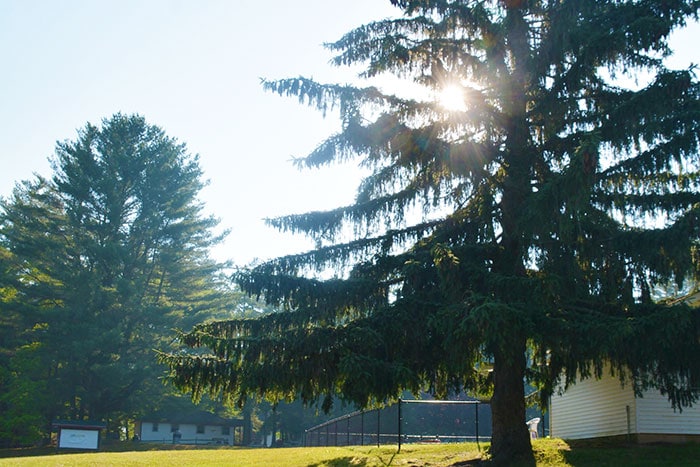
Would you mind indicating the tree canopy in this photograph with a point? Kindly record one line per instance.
(515, 238)
(99, 263)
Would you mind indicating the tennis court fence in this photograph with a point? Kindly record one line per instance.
(406, 421)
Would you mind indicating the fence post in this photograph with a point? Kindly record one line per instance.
(398, 431)
(478, 403)
(379, 426)
(362, 428)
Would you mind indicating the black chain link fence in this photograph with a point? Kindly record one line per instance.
(407, 421)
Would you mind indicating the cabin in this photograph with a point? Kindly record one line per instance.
(189, 427)
(605, 408)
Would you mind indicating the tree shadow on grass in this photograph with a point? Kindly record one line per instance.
(478, 462)
(348, 461)
(616, 452)
(471, 463)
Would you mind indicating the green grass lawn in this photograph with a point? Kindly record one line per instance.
(549, 452)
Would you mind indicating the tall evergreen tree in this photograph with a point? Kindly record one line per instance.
(106, 258)
(514, 239)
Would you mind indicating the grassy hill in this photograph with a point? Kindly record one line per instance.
(549, 452)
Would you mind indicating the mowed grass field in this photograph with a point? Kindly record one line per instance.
(549, 452)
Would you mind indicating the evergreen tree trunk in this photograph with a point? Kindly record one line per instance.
(510, 439)
(247, 426)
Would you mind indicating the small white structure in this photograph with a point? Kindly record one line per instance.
(594, 408)
(78, 434)
(532, 427)
(195, 427)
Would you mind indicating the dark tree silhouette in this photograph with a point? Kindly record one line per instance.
(515, 239)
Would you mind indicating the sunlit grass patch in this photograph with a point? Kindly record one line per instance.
(548, 453)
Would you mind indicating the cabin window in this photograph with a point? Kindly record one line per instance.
(175, 427)
(225, 430)
(200, 429)
(154, 427)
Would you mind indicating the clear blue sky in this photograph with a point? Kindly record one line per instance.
(193, 68)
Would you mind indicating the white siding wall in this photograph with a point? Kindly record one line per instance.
(163, 433)
(656, 416)
(593, 408)
(188, 433)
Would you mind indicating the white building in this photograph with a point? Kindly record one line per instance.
(594, 408)
(604, 408)
(195, 427)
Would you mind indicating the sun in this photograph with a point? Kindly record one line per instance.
(452, 98)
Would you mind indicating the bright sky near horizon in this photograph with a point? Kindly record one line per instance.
(192, 68)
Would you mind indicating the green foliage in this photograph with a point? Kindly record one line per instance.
(103, 261)
(529, 227)
(24, 399)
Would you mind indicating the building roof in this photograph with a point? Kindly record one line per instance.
(196, 417)
(691, 299)
(79, 424)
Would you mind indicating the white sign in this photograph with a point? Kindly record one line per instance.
(78, 439)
